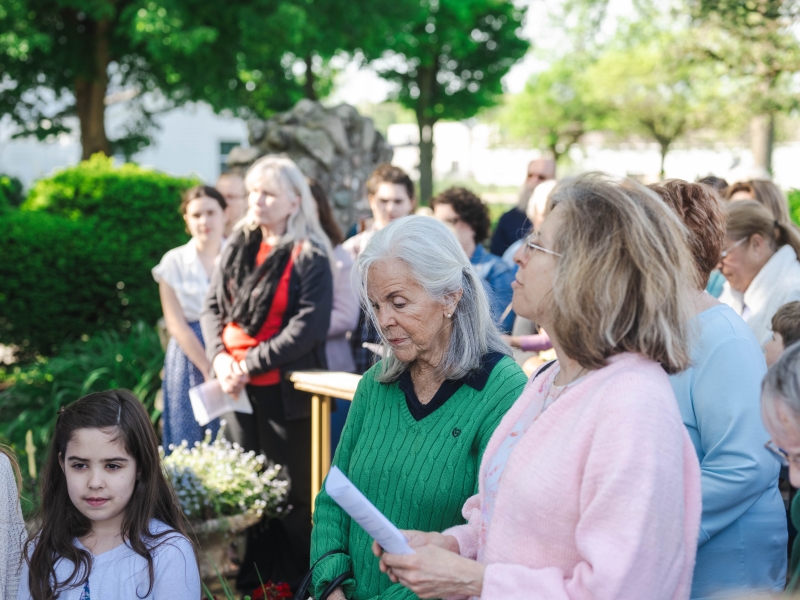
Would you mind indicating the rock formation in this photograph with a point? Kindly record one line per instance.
(336, 146)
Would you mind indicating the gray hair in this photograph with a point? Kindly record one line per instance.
(441, 268)
(782, 382)
(303, 224)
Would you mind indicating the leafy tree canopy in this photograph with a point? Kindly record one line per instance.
(447, 59)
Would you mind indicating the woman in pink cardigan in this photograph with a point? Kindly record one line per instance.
(590, 486)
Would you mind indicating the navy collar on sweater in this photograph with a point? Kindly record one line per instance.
(476, 380)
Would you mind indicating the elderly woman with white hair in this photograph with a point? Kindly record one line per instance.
(422, 416)
(267, 312)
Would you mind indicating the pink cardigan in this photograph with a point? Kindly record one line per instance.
(600, 499)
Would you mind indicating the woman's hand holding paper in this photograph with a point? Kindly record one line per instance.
(435, 570)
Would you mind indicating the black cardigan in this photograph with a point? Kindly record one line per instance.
(300, 344)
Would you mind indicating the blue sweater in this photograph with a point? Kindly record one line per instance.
(497, 277)
(742, 543)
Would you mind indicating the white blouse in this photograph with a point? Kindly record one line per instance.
(182, 270)
(122, 574)
(12, 531)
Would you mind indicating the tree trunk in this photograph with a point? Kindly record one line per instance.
(664, 149)
(308, 87)
(90, 94)
(425, 160)
(426, 81)
(762, 139)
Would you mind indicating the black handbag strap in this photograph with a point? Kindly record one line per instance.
(302, 589)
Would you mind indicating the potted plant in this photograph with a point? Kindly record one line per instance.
(223, 490)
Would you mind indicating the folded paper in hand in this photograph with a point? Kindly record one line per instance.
(363, 512)
(209, 402)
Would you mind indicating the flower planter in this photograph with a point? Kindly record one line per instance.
(213, 538)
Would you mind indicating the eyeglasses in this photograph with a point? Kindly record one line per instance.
(724, 254)
(529, 245)
(780, 455)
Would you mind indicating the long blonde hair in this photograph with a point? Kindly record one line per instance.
(303, 225)
(622, 283)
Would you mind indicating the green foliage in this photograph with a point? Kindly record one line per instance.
(453, 55)
(447, 59)
(794, 206)
(648, 87)
(77, 255)
(10, 191)
(555, 109)
(109, 359)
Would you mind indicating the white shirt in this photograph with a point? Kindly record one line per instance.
(777, 283)
(12, 531)
(121, 573)
(182, 270)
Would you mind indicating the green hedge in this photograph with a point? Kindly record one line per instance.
(10, 192)
(794, 205)
(76, 257)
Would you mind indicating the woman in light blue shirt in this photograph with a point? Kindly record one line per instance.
(743, 535)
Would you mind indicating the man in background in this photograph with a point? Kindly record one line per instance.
(231, 186)
(513, 225)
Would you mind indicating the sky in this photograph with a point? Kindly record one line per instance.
(360, 86)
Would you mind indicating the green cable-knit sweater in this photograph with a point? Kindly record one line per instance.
(418, 473)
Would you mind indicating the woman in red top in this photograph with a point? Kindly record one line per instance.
(266, 314)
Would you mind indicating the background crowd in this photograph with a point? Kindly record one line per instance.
(630, 458)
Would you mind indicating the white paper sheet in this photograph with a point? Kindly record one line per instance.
(209, 402)
(363, 512)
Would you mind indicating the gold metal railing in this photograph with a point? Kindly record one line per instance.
(324, 387)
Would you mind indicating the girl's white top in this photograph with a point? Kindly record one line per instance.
(182, 270)
(12, 531)
(121, 573)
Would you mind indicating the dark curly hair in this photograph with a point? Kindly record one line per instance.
(469, 209)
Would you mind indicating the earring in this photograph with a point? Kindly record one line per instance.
(449, 315)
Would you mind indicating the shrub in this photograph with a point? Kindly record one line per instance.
(10, 192)
(35, 392)
(794, 206)
(76, 256)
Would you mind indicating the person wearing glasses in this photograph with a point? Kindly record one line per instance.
(590, 485)
(514, 224)
(780, 410)
(742, 542)
(468, 216)
(760, 263)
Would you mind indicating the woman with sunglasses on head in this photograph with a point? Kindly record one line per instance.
(742, 543)
(760, 263)
(590, 486)
(780, 410)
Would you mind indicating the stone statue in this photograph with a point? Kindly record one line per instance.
(336, 146)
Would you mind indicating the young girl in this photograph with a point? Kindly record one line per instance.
(183, 277)
(111, 525)
(12, 527)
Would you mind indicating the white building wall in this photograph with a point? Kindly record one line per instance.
(461, 151)
(187, 142)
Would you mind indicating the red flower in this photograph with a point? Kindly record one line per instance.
(272, 591)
